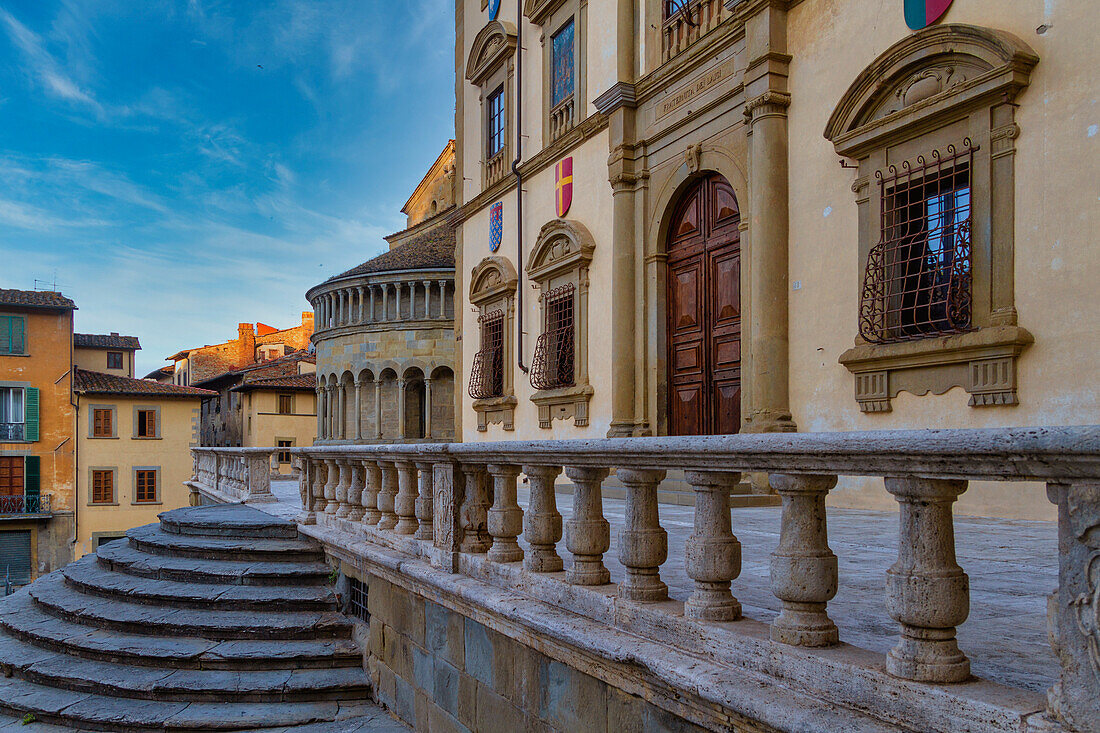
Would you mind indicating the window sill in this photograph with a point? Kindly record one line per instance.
(94, 504)
(496, 410)
(24, 356)
(563, 403)
(146, 437)
(983, 362)
(146, 503)
(102, 437)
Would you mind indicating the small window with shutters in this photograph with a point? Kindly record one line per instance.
(13, 335)
(146, 424)
(12, 414)
(286, 404)
(103, 486)
(145, 486)
(103, 422)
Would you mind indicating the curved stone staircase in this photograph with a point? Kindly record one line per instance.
(218, 618)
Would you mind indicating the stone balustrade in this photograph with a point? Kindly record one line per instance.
(232, 474)
(454, 507)
(383, 300)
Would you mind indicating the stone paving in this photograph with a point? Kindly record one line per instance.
(1012, 564)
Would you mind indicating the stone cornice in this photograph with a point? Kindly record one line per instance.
(621, 94)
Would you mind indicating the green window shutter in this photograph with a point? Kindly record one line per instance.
(18, 335)
(5, 334)
(30, 431)
(32, 481)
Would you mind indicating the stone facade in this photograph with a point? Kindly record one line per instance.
(776, 100)
(254, 343)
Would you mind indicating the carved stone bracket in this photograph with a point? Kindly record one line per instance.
(563, 403)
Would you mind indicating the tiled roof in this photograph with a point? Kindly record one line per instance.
(164, 371)
(105, 341)
(434, 249)
(36, 299)
(99, 383)
(292, 358)
(295, 381)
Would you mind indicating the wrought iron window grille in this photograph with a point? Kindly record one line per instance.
(487, 373)
(25, 504)
(552, 365)
(357, 599)
(917, 282)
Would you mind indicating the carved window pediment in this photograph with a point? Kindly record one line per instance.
(925, 78)
(562, 245)
(539, 10)
(492, 46)
(491, 278)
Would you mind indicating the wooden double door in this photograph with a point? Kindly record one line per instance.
(704, 311)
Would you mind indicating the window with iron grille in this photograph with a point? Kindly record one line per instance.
(494, 119)
(103, 423)
(103, 486)
(11, 414)
(145, 489)
(552, 366)
(487, 374)
(918, 278)
(683, 7)
(357, 601)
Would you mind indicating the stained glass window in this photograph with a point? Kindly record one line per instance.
(561, 83)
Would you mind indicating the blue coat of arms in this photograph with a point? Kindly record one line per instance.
(496, 225)
(494, 8)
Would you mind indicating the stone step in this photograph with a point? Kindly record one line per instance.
(20, 617)
(88, 711)
(59, 670)
(226, 520)
(121, 557)
(55, 597)
(152, 539)
(87, 576)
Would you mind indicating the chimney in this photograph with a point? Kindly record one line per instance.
(307, 324)
(246, 343)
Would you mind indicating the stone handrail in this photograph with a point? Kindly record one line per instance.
(233, 474)
(455, 505)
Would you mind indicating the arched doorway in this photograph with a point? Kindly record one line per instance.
(704, 311)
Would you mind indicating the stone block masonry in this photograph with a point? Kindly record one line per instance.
(439, 670)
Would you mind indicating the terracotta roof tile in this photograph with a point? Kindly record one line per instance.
(36, 299)
(295, 381)
(434, 249)
(89, 382)
(105, 341)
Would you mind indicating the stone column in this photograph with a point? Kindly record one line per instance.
(926, 590)
(427, 408)
(377, 408)
(405, 501)
(401, 409)
(587, 533)
(643, 544)
(712, 556)
(397, 287)
(425, 502)
(1073, 610)
(473, 513)
(505, 519)
(372, 289)
(355, 492)
(343, 410)
(803, 568)
(342, 486)
(318, 402)
(427, 298)
(331, 504)
(359, 292)
(385, 301)
(358, 409)
(442, 298)
(387, 495)
(542, 521)
(372, 485)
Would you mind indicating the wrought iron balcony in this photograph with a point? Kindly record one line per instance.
(11, 431)
(24, 505)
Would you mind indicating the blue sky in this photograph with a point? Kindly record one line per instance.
(180, 167)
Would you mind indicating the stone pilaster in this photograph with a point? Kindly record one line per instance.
(803, 568)
(926, 590)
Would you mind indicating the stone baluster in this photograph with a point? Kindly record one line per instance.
(712, 556)
(320, 473)
(425, 502)
(926, 590)
(587, 533)
(343, 484)
(355, 492)
(372, 486)
(643, 544)
(473, 514)
(387, 495)
(505, 518)
(803, 568)
(305, 493)
(405, 501)
(542, 521)
(333, 471)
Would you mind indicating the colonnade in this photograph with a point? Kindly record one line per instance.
(366, 409)
(383, 302)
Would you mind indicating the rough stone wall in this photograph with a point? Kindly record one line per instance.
(440, 671)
